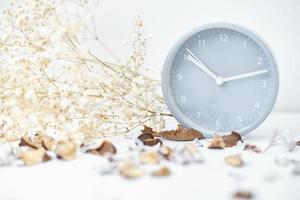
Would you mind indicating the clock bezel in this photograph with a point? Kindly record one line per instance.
(166, 87)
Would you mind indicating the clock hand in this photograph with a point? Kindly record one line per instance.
(194, 59)
(246, 75)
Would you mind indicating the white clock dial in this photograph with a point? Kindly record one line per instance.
(220, 78)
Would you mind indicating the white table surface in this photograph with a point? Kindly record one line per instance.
(79, 179)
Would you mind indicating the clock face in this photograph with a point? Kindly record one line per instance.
(220, 78)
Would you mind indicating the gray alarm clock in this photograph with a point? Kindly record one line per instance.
(220, 78)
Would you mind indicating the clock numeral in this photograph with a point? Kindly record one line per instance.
(199, 114)
(257, 105)
(183, 99)
(179, 77)
(244, 44)
(260, 61)
(201, 43)
(239, 118)
(223, 37)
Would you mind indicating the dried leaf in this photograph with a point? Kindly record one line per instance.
(27, 141)
(161, 172)
(232, 139)
(34, 156)
(47, 142)
(66, 150)
(181, 134)
(253, 148)
(149, 157)
(148, 139)
(217, 143)
(234, 160)
(242, 195)
(166, 151)
(104, 148)
(130, 170)
(148, 129)
(38, 141)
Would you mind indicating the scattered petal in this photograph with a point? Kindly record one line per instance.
(66, 150)
(232, 139)
(149, 130)
(130, 170)
(148, 139)
(104, 148)
(242, 195)
(34, 156)
(162, 172)
(217, 143)
(298, 143)
(166, 152)
(181, 134)
(234, 160)
(149, 157)
(252, 148)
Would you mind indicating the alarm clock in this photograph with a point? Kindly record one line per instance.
(220, 78)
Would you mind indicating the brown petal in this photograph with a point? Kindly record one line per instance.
(130, 170)
(148, 129)
(298, 143)
(26, 141)
(149, 157)
(105, 147)
(234, 160)
(47, 142)
(166, 151)
(148, 139)
(66, 150)
(217, 143)
(163, 171)
(242, 195)
(181, 134)
(232, 139)
(253, 148)
(152, 142)
(34, 156)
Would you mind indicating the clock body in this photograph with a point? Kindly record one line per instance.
(237, 89)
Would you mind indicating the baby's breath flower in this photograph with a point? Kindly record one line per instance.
(52, 82)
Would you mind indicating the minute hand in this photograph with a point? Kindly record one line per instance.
(246, 75)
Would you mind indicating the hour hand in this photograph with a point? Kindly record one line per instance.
(246, 75)
(194, 59)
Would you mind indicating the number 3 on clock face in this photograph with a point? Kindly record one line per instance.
(219, 77)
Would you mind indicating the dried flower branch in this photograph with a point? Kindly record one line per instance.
(54, 82)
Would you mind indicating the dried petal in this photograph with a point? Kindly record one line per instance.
(163, 171)
(27, 141)
(104, 148)
(66, 150)
(253, 148)
(148, 129)
(217, 143)
(48, 142)
(149, 157)
(242, 195)
(298, 143)
(34, 156)
(232, 139)
(148, 139)
(130, 170)
(166, 151)
(234, 160)
(181, 134)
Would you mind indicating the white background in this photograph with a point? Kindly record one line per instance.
(276, 21)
